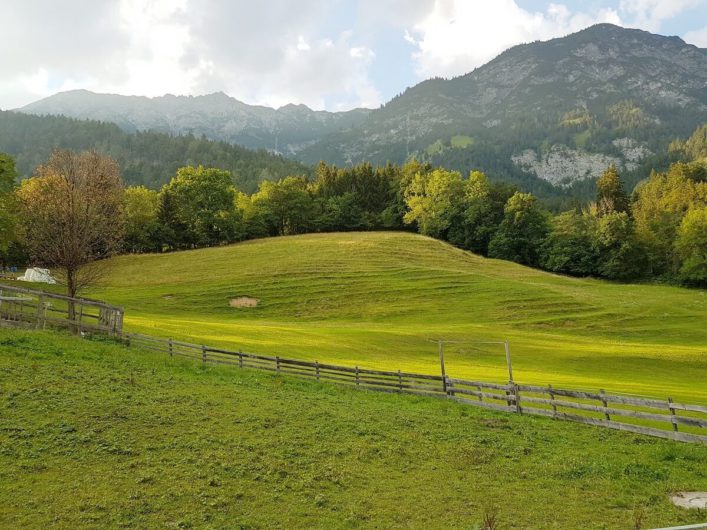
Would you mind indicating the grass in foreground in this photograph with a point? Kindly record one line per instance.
(376, 299)
(94, 435)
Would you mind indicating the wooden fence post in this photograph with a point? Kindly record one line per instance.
(119, 315)
(240, 359)
(400, 381)
(170, 347)
(552, 398)
(516, 393)
(481, 392)
(277, 364)
(672, 413)
(316, 363)
(450, 388)
(357, 381)
(40, 312)
(203, 353)
(604, 402)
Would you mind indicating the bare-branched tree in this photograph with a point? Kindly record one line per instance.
(72, 215)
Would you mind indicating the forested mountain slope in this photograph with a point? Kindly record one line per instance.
(145, 157)
(550, 116)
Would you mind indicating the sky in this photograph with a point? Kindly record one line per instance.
(328, 54)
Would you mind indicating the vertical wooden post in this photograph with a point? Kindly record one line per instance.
(552, 398)
(240, 359)
(604, 402)
(481, 391)
(119, 316)
(357, 382)
(672, 413)
(316, 366)
(170, 347)
(400, 381)
(508, 361)
(440, 348)
(450, 388)
(203, 353)
(40, 312)
(277, 364)
(516, 393)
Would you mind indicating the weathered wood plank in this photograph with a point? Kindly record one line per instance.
(488, 395)
(484, 405)
(693, 422)
(638, 429)
(495, 386)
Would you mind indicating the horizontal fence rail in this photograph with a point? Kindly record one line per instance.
(27, 308)
(653, 417)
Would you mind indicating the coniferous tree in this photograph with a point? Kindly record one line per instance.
(611, 196)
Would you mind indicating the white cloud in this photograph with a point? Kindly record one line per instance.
(269, 54)
(458, 35)
(650, 14)
(273, 52)
(697, 37)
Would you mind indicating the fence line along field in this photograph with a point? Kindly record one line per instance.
(97, 435)
(376, 299)
(652, 417)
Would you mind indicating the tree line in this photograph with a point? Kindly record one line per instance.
(75, 211)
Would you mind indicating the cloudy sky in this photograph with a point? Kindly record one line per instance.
(328, 54)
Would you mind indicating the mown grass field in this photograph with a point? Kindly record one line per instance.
(377, 299)
(95, 435)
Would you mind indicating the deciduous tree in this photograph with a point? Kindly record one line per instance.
(521, 233)
(569, 248)
(72, 215)
(691, 247)
(198, 208)
(286, 206)
(142, 228)
(433, 199)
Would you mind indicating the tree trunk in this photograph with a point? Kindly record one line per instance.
(71, 292)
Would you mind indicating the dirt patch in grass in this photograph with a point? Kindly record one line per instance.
(243, 301)
(696, 500)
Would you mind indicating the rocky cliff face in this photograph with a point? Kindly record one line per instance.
(559, 110)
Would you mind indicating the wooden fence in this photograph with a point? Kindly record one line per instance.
(27, 308)
(653, 417)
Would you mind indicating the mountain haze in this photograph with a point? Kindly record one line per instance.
(546, 115)
(217, 116)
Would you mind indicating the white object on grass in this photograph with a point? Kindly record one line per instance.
(37, 275)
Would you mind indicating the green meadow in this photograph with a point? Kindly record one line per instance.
(381, 299)
(97, 435)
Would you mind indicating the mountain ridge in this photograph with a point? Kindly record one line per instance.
(545, 115)
(218, 116)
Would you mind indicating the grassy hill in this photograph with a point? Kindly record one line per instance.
(377, 299)
(94, 435)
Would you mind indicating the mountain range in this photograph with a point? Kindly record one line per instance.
(546, 115)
